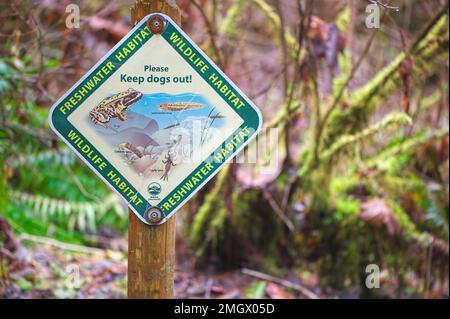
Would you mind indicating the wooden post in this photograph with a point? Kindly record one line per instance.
(151, 249)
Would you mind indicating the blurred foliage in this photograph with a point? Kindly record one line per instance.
(364, 192)
(48, 191)
(256, 290)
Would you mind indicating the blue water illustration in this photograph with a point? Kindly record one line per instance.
(157, 127)
(148, 106)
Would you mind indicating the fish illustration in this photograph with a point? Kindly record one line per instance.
(180, 106)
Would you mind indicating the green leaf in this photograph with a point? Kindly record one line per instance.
(256, 290)
(3, 133)
(5, 69)
(52, 64)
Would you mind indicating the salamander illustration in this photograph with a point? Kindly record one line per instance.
(132, 149)
(114, 106)
(168, 163)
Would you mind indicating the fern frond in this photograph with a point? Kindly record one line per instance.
(83, 215)
(64, 157)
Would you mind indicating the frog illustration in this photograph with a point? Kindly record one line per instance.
(114, 106)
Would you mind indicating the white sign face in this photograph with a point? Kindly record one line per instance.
(155, 119)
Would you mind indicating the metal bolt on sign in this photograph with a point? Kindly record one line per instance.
(154, 215)
(156, 24)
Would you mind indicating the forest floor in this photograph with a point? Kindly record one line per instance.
(51, 269)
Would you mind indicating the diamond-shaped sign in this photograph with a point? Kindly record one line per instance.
(155, 119)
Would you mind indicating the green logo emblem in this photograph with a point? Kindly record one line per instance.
(154, 189)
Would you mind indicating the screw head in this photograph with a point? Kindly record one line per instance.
(154, 215)
(156, 24)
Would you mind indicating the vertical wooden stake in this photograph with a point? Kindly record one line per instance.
(151, 259)
(151, 249)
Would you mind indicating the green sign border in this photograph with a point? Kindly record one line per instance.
(250, 114)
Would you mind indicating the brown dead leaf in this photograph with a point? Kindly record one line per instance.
(327, 41)
(377, 213)
(218, 289)
(275, 291)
